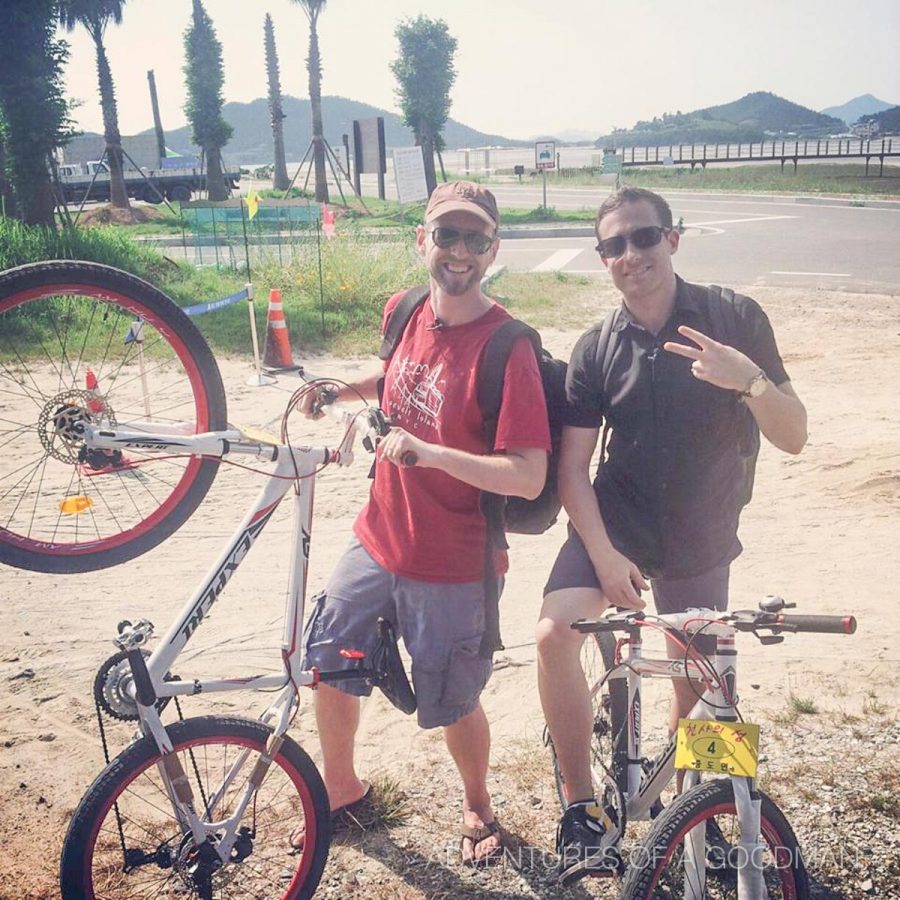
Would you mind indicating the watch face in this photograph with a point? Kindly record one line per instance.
(758, 385)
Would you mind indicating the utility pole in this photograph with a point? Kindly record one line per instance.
(157, 122)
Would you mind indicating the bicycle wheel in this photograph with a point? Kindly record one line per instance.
(80, 343)
(609, 702)
(124, 842)
(657, 869)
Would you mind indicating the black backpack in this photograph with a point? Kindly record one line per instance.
(723, 319)
(503, 514)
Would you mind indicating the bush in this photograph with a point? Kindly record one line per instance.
(21, 244)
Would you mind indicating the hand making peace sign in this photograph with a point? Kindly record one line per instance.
(716, 363)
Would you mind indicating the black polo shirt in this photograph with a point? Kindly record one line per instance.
(669, 488)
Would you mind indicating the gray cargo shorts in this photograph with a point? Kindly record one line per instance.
(441, 626)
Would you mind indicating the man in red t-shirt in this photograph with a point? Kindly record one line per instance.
(418, 554)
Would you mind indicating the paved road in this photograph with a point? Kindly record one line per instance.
(738, 240)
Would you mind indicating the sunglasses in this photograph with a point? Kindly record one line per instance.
(476, 242)
(641, 239)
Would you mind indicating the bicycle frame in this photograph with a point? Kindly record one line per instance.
(294, 467)
(641, 790)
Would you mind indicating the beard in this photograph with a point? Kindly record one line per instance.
(455, 285)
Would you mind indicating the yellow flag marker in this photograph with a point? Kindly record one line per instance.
(252, 204)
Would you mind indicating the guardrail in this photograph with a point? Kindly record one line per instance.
(771, 151)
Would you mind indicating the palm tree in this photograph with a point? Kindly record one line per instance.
(280, 179)
(312, 8)
(95, 15)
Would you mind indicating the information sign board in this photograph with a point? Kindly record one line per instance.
(544, 155)
(612, 164)
(409, 174)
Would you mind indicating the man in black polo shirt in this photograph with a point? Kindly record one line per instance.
(664, 508)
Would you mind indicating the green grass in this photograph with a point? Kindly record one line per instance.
(20, 244)
(358, 275)
(804, 705)
(810, 178)
(554, 299)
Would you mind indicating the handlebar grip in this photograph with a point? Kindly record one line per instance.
(409, 458)
(824, 624)
(595, 626)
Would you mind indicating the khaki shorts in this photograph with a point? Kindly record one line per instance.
(441, 626)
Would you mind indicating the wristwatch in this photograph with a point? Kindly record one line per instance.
(757, 386)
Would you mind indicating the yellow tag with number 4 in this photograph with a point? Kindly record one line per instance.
(720, 748)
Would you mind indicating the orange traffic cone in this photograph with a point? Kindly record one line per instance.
(277, 356)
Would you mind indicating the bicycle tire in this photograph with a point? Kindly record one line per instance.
(609, 704)
(67, 355)
(129, 791)
(656, 871)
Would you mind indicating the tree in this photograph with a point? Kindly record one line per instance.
(280, 179)
(424, 72)
(95, 15)
(34, 117)
(205, 78)
(313, 8)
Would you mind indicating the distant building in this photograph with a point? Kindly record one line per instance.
(866, 129)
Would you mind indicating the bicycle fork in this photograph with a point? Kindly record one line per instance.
(746, 855)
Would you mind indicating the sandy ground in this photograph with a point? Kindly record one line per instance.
(822, 531)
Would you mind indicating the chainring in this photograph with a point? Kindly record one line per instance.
(111, 688)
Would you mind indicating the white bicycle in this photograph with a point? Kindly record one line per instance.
(113, 423)
(720, 838)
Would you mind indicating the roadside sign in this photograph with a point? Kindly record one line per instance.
(409, 174)
(544, 155)
(612, 164)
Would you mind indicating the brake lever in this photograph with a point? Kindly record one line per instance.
(325, 396)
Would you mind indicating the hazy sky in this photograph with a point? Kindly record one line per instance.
(525, 67)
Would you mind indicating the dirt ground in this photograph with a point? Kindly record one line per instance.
(820, 532)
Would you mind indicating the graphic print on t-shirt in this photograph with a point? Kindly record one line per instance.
(418, 391)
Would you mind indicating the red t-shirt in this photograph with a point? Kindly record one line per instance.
(422, 523)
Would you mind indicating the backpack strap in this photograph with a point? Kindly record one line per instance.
(491, 377)
(722, 314)
(393, 331)
(723, 319)
(604, 352)
(492, 371)
(399, 318)
(489, 390)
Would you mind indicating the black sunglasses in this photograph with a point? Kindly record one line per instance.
(641, 239)
(476, 242)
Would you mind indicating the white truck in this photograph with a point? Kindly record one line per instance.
(175, 178)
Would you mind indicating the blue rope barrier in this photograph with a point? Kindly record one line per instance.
(200, 308)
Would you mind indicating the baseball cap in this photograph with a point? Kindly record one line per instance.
(463, 196)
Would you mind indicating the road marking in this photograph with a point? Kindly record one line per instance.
(557, 260)
(734, 221)
(819, 274)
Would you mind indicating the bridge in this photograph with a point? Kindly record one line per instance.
(764, 151)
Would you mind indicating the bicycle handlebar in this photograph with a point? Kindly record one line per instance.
(372, 423)
(741, 620)
(823, 624)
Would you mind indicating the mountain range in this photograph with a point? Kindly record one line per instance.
(853, 110)
(754, 117)
(251, 142)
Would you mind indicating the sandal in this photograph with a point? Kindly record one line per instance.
(360, 814)
(476, 836)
